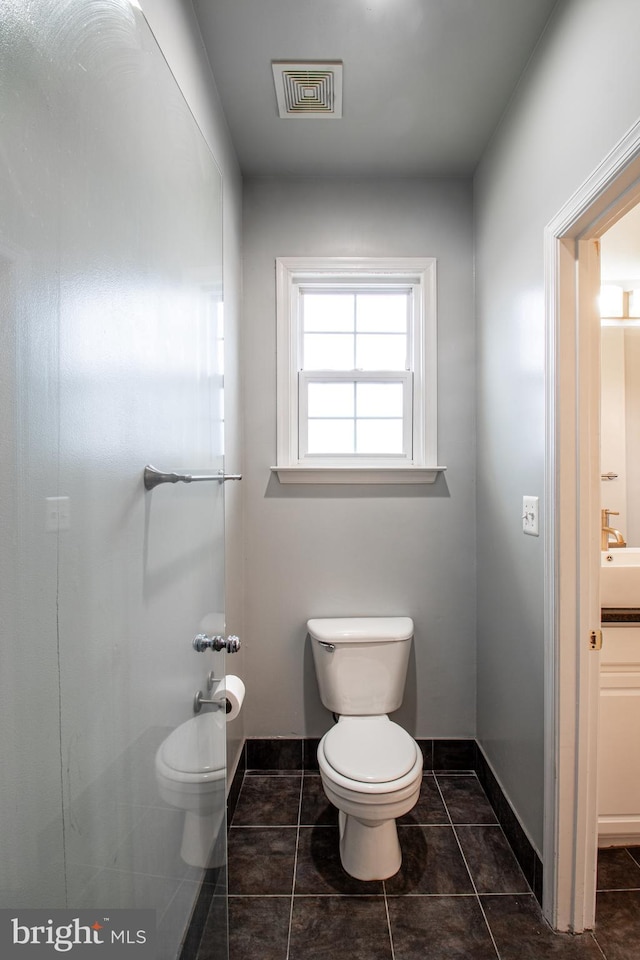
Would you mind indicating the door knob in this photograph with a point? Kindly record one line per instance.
(202, 642)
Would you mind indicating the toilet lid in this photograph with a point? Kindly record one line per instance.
(370, 749)
(196, 746)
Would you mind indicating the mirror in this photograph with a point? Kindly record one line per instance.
(620, 385)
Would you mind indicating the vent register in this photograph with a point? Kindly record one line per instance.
(308, 89)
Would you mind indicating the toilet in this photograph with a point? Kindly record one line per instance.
(371, 768)
(190, 767)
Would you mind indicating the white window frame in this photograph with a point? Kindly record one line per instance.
(418, 463)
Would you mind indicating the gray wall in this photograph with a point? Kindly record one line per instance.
(327, 551)
(580, 95)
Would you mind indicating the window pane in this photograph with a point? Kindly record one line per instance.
(381, 351)
(379, 436)
(330, 400)
(382, 312)
(328, 311)
(330, 436)
(328, 351)
(379, 399)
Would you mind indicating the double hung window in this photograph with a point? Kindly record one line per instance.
(356, 370)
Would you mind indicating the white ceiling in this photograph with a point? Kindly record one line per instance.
(425, 81)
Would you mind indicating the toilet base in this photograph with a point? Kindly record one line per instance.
(369, 850)
(201, 831)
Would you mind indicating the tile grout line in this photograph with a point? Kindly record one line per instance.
(631, 857)
(295, 865)
(386, 910)
(595, 940)
(475, 889)
(618, 890)
(264, 826)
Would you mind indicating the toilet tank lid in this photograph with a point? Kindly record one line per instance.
(360, 629)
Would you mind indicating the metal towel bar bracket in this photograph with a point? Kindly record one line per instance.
(153, 477)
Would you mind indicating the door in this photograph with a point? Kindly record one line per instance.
(112, 326)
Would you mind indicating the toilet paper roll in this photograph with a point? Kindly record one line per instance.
(230, 690)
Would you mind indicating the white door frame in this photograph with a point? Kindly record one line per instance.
(572, 529)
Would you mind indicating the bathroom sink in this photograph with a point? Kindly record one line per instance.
(620, 577)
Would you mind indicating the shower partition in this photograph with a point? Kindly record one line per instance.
(112, 346)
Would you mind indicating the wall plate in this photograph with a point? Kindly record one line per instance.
(530, 511)
(57, 514)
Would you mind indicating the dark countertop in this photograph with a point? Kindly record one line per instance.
(620, 615)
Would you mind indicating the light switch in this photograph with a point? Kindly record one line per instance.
(57, 514)
(530, 510)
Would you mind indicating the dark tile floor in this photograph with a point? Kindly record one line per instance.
(459, 893)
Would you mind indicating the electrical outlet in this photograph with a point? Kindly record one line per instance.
(530, 516)
(57, 514)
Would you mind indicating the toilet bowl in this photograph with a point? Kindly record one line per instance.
(371, 768)
(190, 767)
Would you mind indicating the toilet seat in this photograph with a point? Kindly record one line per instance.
(369, 790)
(370, 749)
(193, 752)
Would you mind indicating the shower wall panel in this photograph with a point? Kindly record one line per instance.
(113, 338)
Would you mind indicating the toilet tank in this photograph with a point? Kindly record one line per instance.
(361, 662)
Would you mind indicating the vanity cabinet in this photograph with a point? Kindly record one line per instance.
(619, 737)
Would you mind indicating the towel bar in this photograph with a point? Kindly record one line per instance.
(153, 477)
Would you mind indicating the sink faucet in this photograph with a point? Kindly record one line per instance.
(610, 537)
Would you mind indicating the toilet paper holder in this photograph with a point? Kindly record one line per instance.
(199, 700)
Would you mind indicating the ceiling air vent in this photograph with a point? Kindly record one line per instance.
(308, 89)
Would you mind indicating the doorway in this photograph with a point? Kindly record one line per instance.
(572, 532)
(619, 698)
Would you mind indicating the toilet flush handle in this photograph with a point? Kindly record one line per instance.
(329, 647)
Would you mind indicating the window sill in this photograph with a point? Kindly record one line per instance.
(305, 474)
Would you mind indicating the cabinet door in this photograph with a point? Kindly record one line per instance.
(619, 736)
